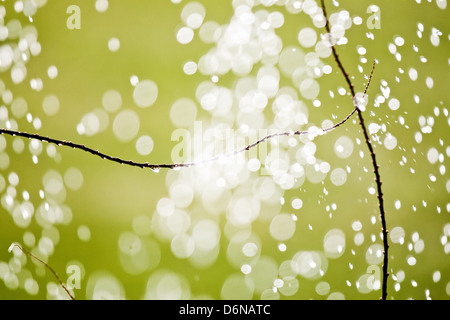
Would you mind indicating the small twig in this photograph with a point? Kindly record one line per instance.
(156, 167)
(372, 155)
(28, 253)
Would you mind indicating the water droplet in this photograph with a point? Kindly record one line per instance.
(183, 112)
(394, 104)
(50, 104)
(113, 44)
(343, 147)
(185, 35)
(334, 243)
(112, 100)
(52, 72)
(144, 145)
(282, 227)
(84, 233)
(190, 68)
(145, 93)
(307, 37)
(126, 125)
(338, 176)
(193, 14)
(101, 5)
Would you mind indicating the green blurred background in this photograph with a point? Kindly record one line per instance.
(112, 196)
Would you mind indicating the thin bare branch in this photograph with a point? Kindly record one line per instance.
(28, 253)
(372, 155)
(156, 167)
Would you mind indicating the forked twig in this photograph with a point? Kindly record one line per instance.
(28, 253)
(372, 155)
